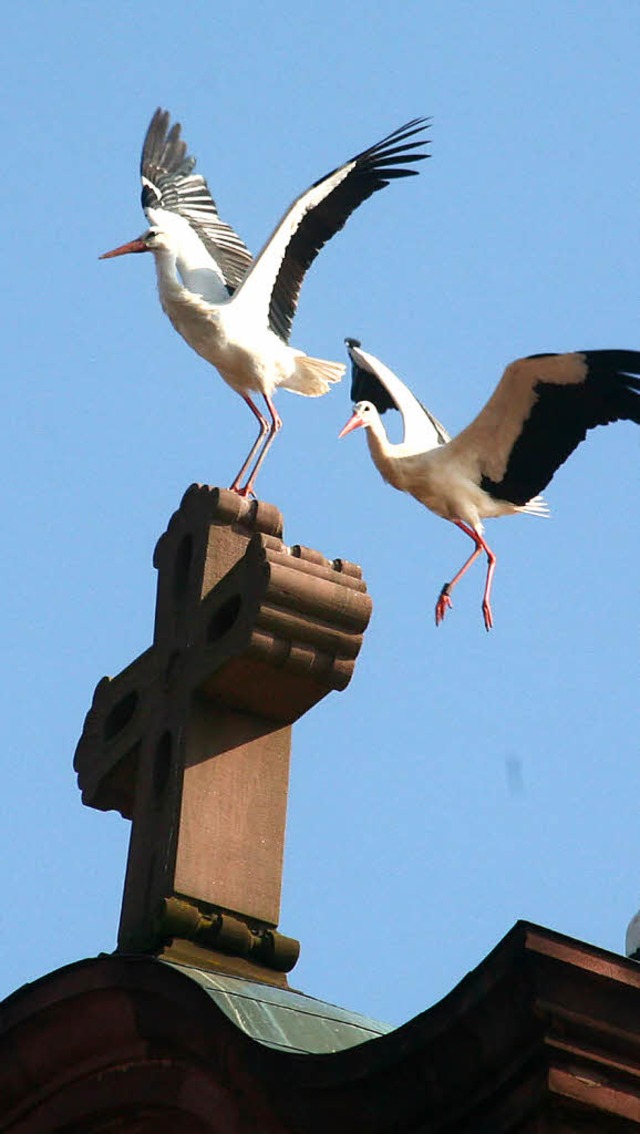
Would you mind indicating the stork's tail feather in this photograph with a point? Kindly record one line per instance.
(537, 506)
(313, 376)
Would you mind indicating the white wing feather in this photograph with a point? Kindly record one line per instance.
(422, 431)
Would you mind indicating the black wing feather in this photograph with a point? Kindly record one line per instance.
(561, 417)
(164, 153)
(374, 168)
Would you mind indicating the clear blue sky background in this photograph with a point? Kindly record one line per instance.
(464, 780)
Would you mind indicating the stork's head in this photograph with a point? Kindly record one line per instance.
(364, 414)
(153, 240)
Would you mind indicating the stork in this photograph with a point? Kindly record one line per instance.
(236, 312)
(538, 414)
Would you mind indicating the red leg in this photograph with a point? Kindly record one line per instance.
(444, 601)
(486, 598)
(264, 426)
(276, 426)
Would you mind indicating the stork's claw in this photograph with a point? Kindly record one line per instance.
(487, 614)
(246, 492)
(443, 604)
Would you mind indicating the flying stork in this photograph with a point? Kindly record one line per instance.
(538, 414)
(234, 311)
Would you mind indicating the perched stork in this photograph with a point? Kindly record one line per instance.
(538, 414)
(236, 312)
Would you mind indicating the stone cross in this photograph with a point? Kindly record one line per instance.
(191, 741)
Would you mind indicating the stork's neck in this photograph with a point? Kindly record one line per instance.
(169, 285)
(395, 462)
(381, 449)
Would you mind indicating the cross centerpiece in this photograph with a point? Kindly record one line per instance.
(192, 740)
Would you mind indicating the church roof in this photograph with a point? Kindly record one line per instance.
(543, 1035)
(282, 1018)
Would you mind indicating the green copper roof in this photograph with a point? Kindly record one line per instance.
(283, 1019)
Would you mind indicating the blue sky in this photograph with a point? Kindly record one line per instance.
(464, 780)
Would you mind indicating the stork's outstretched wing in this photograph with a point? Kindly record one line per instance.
(541, 411)
(316, 216)
(372, 381)
(169, 183)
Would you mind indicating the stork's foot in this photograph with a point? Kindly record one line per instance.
(487, 614)
(246, 492)
(444, 603)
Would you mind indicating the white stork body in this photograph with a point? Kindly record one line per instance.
(236, 312)
(497, 466)
(249, 356)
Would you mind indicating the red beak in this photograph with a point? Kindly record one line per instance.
(352, 424)
(137, 245)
